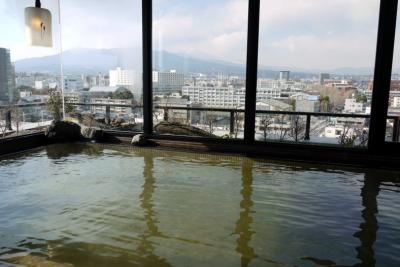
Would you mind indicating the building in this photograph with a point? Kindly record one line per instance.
(115, 111)
(181, 116)
(167, 82)
(284, 75)
(103, 89)
(126, 78)
(213, 95)
(216, 94)
(38, 85)
(309, 104)
(7, 77)
(77, 97)
(95, 80)
(323, 77)
(352, 106)
(273, 89)
(72, 84)
(396, 102)
(129, 79)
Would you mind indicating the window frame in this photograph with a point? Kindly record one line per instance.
(382, 74)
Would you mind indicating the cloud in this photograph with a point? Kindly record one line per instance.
(320, 52)
(217, 30)
(294, 33)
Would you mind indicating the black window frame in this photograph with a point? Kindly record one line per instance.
(382, 74)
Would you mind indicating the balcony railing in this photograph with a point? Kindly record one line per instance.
(107, 108)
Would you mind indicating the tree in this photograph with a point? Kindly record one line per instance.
(293, 104)
(353, 136)
(284, 129)
(362, 99)
(239, 118)
(297, 128)
(54, 105)
(324, 103)
(122, 93)
(17, 117)
(265, 123)
(210, 120)
(3, 123)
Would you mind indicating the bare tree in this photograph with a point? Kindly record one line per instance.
(297, 128)
(157, 113)
(283, 129)
(3, 123)
(238, 123)
(353, 135)
(210, 120)
(265, 123)
(16, 117)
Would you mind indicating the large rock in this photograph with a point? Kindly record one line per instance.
(91, 133)
(180, 129)
(63, 131)
(139, 140)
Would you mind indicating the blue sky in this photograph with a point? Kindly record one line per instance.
(302, 34)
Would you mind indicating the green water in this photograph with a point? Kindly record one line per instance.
(91, 205)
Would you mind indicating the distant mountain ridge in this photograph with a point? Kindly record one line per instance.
(93, 61)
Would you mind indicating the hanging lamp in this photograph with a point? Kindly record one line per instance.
(38, 26)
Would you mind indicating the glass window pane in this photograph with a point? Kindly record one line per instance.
(100, 65)
(316, 57)
(103, 62)
(27, 72)
(392, 128)
(199, 62)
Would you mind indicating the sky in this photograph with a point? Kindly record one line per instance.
(297, 34)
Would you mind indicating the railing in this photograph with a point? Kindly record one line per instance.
(308, 115)
(232, 112)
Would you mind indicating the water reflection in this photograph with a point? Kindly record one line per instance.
(132, 233)
(243, 225)
(146, 246)
(60, 151)
(369, 226)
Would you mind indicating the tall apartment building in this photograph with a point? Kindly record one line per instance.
(284, 75)
(168, 81)
(323, 77)
(121, 77)
(7, 77)
(129, 79)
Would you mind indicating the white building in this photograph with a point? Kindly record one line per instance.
(396, 102)
(273, 89)
(215, 96)
(118, 111)
(228, 96)
(129, 79)
(38, 85)
(352, 106)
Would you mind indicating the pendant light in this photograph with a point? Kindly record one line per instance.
(38, 26)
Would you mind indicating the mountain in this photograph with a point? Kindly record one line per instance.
(75, 61)
(93, 61)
